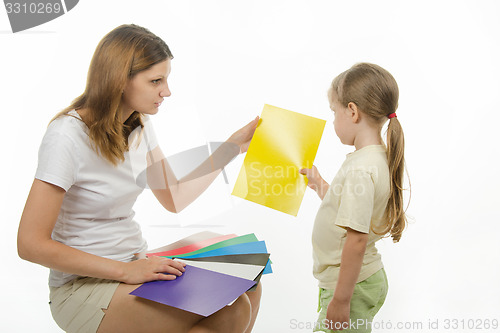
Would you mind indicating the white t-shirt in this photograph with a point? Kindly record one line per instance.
(96, 215)
(357, 199)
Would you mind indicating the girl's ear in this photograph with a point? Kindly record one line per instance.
(354, 112)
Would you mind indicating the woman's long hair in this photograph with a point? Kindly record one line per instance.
(375, 91)
(122, 53)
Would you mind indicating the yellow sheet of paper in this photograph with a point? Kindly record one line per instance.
(283, 143)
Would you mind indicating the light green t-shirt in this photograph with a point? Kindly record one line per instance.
(357, 198)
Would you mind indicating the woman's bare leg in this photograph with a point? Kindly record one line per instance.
(254, 297)
(230, 319)
(127, 313)
(235, 321)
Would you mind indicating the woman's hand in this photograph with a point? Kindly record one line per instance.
(337, 315)
(315, 181)
(151, 269)
(243, 136)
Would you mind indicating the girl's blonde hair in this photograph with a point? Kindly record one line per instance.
(375, 92)
(122, 53)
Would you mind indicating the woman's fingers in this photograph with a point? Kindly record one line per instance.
(168, 266)
(168, 269)
(152, 268)
(243, 136)
(252, 126)
(253, 123)
(176, 264)
(165, 277)
(246, 132)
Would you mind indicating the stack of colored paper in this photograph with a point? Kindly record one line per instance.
(219, 269)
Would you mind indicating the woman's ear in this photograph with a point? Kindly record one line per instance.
(354, 112)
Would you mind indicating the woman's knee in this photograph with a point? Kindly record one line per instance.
(243, 305)
(254, 297)
(233, 318)
(241, 312)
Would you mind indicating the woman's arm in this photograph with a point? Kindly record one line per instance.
(351, 261)
(35, 244)
(176, 194)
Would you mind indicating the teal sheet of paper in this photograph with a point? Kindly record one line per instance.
(225, 243)
(244, 248)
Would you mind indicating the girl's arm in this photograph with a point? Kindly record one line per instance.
(351, 261)
(315, 181)
(176, 194)
(35, 244)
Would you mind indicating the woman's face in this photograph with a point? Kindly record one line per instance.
(145, 91)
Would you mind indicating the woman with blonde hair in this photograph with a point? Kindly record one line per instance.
(78, 218)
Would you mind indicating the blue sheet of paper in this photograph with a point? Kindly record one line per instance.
(244, 248)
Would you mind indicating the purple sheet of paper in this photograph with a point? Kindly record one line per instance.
(197, 290)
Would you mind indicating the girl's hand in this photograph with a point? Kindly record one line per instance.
(315, 181)
(151, 269)
(243, 136)
(314, 178)
(337, 315)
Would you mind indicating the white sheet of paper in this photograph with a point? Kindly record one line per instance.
(243, 271)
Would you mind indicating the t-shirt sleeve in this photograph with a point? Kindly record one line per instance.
(57, 160)
(150, 135)
(356, 202)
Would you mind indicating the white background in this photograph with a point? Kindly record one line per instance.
(231, 57)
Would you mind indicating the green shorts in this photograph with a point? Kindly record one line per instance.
(78, 305)
(367, 299)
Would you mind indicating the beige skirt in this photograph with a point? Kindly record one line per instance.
(78, 305)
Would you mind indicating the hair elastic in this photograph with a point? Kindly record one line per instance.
(392, 115)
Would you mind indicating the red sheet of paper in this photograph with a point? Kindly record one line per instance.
(191, 239)
(193, 247)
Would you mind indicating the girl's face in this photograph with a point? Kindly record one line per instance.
(145, 91)
(343, 122)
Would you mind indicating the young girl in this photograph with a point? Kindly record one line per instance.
(363, 203)
(78, 219)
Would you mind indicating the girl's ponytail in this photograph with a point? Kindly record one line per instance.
(396, 219)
